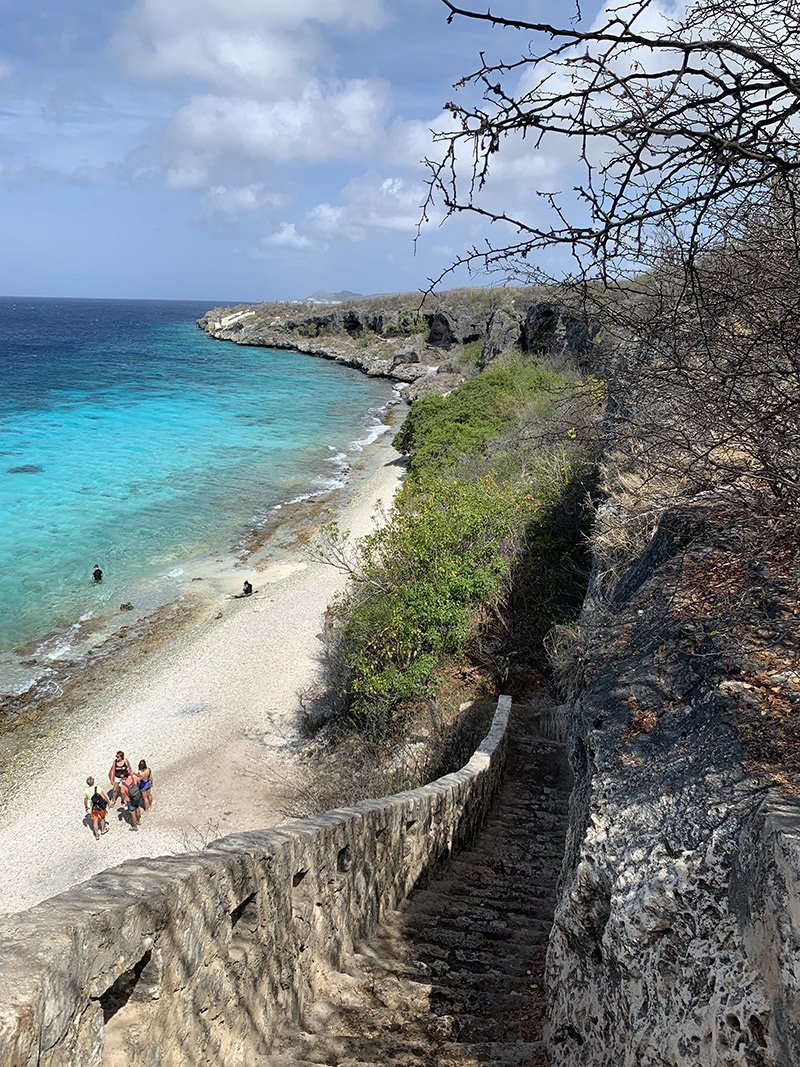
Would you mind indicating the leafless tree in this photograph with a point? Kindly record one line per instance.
(673, 121)
(682, 223)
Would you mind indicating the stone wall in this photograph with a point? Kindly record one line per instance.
(765, 897)
(200, 958)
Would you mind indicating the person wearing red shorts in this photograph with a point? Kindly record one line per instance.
(95, 804)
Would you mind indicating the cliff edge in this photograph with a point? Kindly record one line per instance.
(427, 348)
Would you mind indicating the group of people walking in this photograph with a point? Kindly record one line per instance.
(133, 788)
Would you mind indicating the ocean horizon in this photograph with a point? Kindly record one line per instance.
(132, 440)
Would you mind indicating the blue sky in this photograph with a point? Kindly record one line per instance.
(233, 149)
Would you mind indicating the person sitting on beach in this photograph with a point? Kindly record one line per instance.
(132, 798)
(145, 777)
(120, 769)
(247, 589)
(95, 803)
(97, 574)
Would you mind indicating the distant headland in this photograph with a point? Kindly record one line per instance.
(428, 346)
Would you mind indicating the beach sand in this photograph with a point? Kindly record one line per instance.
(214, 712)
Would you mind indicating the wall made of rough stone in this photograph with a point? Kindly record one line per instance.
(765, 896)
(199, 958)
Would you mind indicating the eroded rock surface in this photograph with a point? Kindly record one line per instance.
(677, 929)
(406, 342)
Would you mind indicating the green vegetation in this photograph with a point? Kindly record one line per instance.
(443, 554)
(481, 553)
(440, 430)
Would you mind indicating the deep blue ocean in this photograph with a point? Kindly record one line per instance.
(130, 439)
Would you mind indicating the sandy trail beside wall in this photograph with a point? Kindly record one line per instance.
(215, 715)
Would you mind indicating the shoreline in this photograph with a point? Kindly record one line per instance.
(213, 702)
(62, 659)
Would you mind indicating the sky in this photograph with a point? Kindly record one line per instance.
(235, 149)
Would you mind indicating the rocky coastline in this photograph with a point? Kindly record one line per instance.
(429, 347)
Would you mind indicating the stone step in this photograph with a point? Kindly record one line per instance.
(450, 932)
(394, 1048)
(477, 955)
(455, 976)
(367, 1052)
(448, 967)
(507, 1053)
(481, 908)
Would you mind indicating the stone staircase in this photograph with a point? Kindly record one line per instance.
(456, 976)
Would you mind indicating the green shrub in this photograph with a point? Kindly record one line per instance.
(439, 430)
(417, 583)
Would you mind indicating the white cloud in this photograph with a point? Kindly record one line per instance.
(371, 203)
(328, 219)
(186, 176)
(257, 64)
(252, 46)
(260, 75)
(410, 141)
(161, 19)
(313, 127)
(232, 201)
(287, 237)
(6, 70)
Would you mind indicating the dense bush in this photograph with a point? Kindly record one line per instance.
(481, 552)
(439, 430)
(416, 584)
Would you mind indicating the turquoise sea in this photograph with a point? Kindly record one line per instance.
(130, 439)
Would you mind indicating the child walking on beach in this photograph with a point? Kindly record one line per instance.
(95, 804)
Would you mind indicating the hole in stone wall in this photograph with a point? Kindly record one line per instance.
(118, 994)
(298, 878)
(343, 860)
(757, 1031)
(410, 824)
(247, 911)
(244, 924)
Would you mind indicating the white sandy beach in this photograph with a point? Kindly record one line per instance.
(215, 715)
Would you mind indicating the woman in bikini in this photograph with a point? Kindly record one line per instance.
(145, 776)
(120, 770)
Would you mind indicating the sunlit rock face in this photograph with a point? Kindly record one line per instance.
(402, 340)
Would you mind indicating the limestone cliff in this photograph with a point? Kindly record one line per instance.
(677, 932)
(428, 347)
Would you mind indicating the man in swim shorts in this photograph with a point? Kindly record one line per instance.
(132, 799)
(97, 574)
(95, 804)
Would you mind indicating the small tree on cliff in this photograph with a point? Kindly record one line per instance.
(685, 135)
